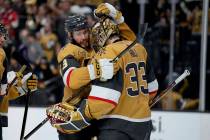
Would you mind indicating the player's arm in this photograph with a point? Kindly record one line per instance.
(106, 9)
(15, 90)
(22, 85)
(151, 79)
(73, 75)
(126, 33)
(76, 77)
(103, 98)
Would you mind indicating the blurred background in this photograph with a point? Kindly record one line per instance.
(173, 40)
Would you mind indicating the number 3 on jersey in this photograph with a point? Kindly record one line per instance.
(137, 76)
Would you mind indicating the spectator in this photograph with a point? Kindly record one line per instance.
(49, 42)
(31, 10)
(9, 18)
(174, 99)
(35, 51)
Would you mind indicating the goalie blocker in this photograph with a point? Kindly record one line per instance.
(67, 118)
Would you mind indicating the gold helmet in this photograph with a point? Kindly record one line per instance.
(101, 32)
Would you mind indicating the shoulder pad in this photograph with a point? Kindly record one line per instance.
(70, 49)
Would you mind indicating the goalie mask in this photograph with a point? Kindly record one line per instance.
(101, 32)
(76, 23)
(3, 31)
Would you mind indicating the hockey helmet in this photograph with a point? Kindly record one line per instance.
(101, 32)
(3, 31)
(76, 23)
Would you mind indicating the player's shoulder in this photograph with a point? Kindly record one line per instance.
(113, 49)
(119, 46)
(137, 46)
(68, 49)
(71, 50)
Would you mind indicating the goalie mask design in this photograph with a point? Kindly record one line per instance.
(101, 32)
(3, 31)
(76, 23)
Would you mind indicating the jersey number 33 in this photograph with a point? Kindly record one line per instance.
(136, 71)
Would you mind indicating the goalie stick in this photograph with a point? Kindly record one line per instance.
(143, 32)
(170, 87)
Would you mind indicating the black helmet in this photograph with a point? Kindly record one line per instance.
(75, 23)
(3, 31)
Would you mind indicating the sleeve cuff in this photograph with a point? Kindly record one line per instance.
(91, 72)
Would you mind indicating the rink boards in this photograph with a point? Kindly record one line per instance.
(168, 125)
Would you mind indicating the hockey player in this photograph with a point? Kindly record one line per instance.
(74, 57)
(19, 88)
(71, 57)
(120, 101)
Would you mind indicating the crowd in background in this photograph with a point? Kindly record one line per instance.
(36, 29)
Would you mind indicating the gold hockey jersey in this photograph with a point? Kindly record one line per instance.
(126, 33)
(12, 93)
(126, 96)
(73, 59)
(2, 59)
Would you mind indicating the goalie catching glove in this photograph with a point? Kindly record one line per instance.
(106, 9)
(67, 118)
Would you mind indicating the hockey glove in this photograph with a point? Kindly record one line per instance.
(66, 118)
(3, 89)
(102, 68)
(32, 82)
(110, 11)
(24, 83)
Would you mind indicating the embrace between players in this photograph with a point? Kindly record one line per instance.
(111, 99)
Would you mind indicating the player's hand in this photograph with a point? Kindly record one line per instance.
(106, 9)
(107, 69)
(28, 82)
(102, 68)
(32, 82)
